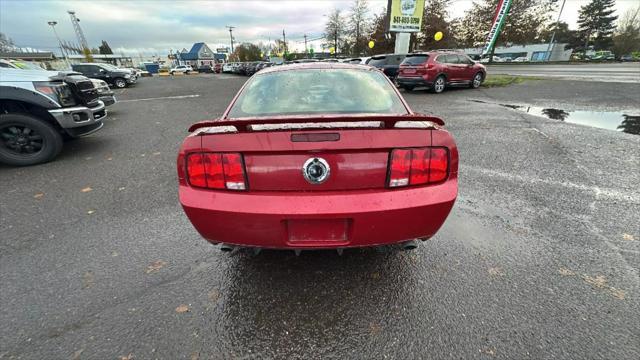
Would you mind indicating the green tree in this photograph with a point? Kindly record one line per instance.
(597, 23)
(435, 19)
(563, 35)
(105, 48)
(524, 24)
(627, 37)
(383, 42)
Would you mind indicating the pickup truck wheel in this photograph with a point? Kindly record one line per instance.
(120, 83)
(27, 140)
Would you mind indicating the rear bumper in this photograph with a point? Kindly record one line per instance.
(285, 220)
(413, 81)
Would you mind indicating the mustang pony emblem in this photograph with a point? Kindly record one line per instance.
(316, 170)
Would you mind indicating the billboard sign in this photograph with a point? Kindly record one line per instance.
(405, 15)
(222, 50)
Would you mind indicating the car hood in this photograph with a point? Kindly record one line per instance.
(14, 75)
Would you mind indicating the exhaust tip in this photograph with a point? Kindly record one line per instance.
(226, 248)
(409, 245)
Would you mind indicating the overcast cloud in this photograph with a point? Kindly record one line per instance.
(153, 27)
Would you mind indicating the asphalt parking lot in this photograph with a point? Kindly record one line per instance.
(539, 258)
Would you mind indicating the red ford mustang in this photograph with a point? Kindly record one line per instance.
(318, 155)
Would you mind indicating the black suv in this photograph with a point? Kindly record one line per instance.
(388, 63)
(120, 78)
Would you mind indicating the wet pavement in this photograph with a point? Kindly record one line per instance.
(611, 120)
(539, 258)
(607, 72)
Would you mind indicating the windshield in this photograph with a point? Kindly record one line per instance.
(415, 59)
(109, 67)
(312, 91)
(24, 65)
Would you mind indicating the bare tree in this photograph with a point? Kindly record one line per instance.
(627, 36)
(359, 24)
(334, 29)
(6, 44)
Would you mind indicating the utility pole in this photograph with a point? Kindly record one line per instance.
(284, 38)
(553, 36)
(306, 52)
(231, 36)
(64, 55)
(80, 35)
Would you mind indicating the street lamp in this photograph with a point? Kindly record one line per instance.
(64, 55)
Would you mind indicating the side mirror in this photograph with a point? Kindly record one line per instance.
(102, 71)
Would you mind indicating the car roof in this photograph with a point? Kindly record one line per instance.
(317, 65)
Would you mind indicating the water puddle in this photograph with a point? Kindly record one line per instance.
(610, 120)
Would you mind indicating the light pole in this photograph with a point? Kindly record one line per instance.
(64, 55)
(231, 36)
(553, 37)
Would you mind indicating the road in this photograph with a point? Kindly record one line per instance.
(620, 72)
(539, 258)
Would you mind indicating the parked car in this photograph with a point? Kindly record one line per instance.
(358, 60)
(318, 156)
(485, 59)
(39, 108)
(104, 92)
(19, 64)
(185, 69)
(217, 68)
(437, 70)
(117, 77)
(205, 69)
(227, 67)
(604, 55)
(521, 59)
(627, 58)
(388, 63)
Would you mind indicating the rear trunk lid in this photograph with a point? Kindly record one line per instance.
(356, 154)
(414, 65)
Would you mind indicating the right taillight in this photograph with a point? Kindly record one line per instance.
(418, 166)
(216, 171)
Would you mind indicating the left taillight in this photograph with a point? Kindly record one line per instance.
(419, 166)
(216, 171)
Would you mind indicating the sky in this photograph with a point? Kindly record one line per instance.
(149, 27)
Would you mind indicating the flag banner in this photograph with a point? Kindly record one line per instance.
(498, 21)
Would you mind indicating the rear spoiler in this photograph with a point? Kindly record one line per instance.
(386, 121)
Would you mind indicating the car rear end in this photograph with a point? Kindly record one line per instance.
(317, 181)
(417, 70)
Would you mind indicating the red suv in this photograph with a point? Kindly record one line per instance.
(439, 69)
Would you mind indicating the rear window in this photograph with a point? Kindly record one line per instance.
(316, 91)
(377, 61)
(415, 59)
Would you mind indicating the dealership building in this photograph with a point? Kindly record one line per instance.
(532, 52)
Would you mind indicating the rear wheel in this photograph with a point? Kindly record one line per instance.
(477, 80)
(120, 83)
(439, 85)
(27, 140)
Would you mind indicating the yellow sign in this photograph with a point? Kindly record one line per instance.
(405, 15)
(438, 36)
(371, 44)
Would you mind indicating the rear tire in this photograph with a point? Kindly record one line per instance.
(439, 84)
(27, 140)
(120, 83)
(477, 80)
